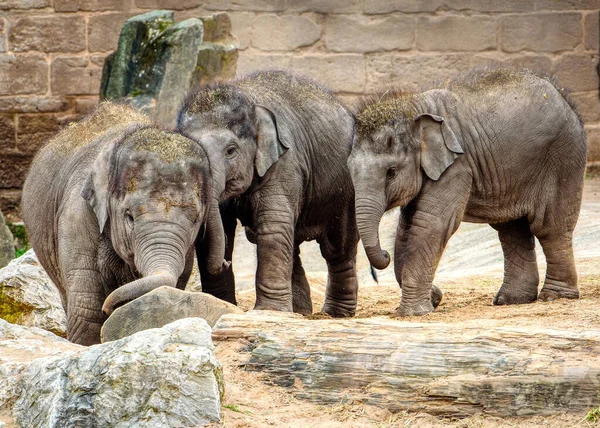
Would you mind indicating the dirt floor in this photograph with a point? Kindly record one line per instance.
(249, 402)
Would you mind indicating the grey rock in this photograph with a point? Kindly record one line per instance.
(163, 306)
(7, 247)
(29, 297)
(157, 61)
(155, 378)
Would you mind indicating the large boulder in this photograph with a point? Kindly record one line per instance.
(163, 306)
(7, 245)
(157, 61)
(29, 297)
(158, 377)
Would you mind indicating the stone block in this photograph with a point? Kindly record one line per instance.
(330, 6)
(48, 33)
(246, 5)
(593, 140)
(592, 30)
(588, 104)
(217, 28)
(7, 133)
(33, 130)
(537, 63)
(340, 73)
(490, 5)
(379, 73)
(387, 6)
(369, 34)
(33, 104)
(13, 170)
(20, 74)
(283, 33)
(24, 4)
(89, 5)
(456, 33)
(241, 23)
(74, 76)
(565, 4)
(542, 32)
(249, 61)
(578, 72)
(103, 31)
(426, 69)
(168, 4)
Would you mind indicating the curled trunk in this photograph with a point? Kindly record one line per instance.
(215, 234)
(369, 211)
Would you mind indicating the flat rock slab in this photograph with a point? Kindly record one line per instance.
(453, 370)
(163, 306)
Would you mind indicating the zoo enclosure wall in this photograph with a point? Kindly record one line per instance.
(52, 52)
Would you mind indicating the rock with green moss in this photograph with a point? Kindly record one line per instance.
(7, 246)
(160, 377)
(29, 297)
(157, 61)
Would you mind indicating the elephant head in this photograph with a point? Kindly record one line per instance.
(396, 148)
(150, 191)
(242, 139)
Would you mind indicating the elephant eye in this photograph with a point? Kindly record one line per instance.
(391, 173)
(129, 218)
(231, 150)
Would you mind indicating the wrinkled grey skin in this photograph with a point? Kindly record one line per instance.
(500, 147)
(109, 213)
(278, 146)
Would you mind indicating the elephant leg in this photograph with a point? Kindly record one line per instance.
(438, 211)
(401, 250)
(187, 271)
(338, 247)
(221, 286)
(275, 223)
(301, 300)
(561, 275)
(521, 278)
(85, 296)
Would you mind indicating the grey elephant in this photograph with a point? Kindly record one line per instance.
(113, 205)
(278, 146)
(503, 147)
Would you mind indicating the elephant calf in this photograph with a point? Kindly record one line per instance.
(278, 146)
(503, 147)
(112, 206)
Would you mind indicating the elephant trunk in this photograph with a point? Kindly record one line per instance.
(160, 258)
(215, 263)
(369, 211)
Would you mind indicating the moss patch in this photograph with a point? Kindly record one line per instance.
(12, 310)
(22, 241)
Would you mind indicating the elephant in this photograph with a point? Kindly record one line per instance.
(113, 205)
(504, 147)
(278, 144)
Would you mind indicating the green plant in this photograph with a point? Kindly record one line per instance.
(593, 415)
(21, 240)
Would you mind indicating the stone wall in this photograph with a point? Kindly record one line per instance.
(52, 51)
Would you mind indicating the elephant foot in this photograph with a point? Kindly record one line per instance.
(337, 311)
(303, 309)
(549, 294)
(505, 297)
(419, 309)
(436, 296)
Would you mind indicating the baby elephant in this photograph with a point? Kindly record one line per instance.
(112, 206)
(503, 147)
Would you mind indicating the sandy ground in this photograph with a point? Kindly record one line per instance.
(470, 273)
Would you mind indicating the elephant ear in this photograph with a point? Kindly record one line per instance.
(269, 146)
(439, 145)
(95, 187)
